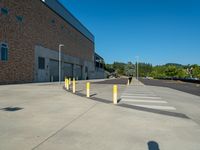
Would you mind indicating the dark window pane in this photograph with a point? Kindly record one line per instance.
(19, 18)
(97, 64)
(41, 63)
(4, 11)
(53, 21)
(86, 69)
(101, 65)
(4, 53)
(3, 45)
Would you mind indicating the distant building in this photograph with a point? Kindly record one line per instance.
(31, 31)
(99, 66)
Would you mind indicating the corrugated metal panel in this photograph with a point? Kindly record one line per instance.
(67, 70)
(78, 72)
(62, 11)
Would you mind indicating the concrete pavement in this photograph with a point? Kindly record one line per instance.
(51, 118)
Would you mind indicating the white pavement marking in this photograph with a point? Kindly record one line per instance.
(156, 107)
(145, 101)
(136, 93)
(140, 97)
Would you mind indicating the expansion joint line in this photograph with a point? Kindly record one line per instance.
(62, 128)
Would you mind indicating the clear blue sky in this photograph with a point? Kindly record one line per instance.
(158, 31)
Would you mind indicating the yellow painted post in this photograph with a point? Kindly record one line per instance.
(67, 84)
(88, 89)
(114, 94)
(74, 86)
(69, 81)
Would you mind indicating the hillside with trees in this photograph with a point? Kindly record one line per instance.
(170, 70)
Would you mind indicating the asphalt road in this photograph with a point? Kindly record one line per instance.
(191, 88)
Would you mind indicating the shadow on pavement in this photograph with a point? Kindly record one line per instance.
(152, 145)
(94, 98)
(162, 112)
(12, 109)
(92, 95)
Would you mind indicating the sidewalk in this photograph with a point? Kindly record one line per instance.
(52, 118)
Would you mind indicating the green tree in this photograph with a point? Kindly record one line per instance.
(129, 69)
(119, 67)
(171, 71)
(182, 73)
(109, 68)
(196, 71)
(158, 72)
(144, 69)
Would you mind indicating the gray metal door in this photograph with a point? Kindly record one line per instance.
(41, 75)
(78, 72)
(42, 72)
(67, 70)
(53, 68)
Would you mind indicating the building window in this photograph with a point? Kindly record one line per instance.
(86, 69)
(62, 27)
(4, 52)
(4, 11)
(19, 18)
(53, 21)
(41, 63)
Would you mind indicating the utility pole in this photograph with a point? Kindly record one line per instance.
(60, 45)
(137, 58)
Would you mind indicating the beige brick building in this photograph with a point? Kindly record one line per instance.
(30, 34)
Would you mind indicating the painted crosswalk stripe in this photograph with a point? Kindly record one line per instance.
(144, 101)
(140, 97)
(156, 107)
(137, 93)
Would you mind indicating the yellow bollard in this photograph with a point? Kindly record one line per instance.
(74, 86)
(88, 89)
(69, 81)
(67, 84)
(114, 94)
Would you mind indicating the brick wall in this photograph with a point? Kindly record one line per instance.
(39, 26)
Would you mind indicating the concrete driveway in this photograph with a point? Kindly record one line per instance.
(46, 117)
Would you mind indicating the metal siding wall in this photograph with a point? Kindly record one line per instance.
(67, 70)
(53, 66)
(78, 72)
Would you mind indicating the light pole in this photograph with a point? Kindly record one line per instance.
(60, 45)
(137, 57)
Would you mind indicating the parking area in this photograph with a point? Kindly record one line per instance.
(191, 88)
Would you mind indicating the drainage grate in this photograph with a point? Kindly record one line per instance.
(12, 108)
